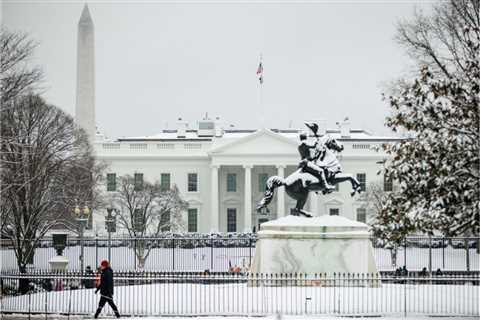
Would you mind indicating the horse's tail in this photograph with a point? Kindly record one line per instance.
(272, 183)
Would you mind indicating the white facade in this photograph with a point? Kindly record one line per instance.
(248, 155)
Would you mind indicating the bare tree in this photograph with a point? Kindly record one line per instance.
(439, 40)
(145, 210)
(47, 166)
(373, 199)
(16, 76)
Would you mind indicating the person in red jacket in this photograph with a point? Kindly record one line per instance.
(106, 289)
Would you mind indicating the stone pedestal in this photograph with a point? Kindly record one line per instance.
(325, 244)
(58, 263)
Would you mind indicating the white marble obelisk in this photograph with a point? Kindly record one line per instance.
(85, 102)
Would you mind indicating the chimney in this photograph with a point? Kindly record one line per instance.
(219, 128)
(182, 128)
(345, 128)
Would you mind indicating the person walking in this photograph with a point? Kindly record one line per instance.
(106, 289)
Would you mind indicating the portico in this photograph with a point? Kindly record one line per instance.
(246, 164)
(245, 192)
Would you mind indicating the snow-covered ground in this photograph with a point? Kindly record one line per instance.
(217, 259)
(242, 299)
(271, 317)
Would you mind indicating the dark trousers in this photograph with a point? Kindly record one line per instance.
(103, 301)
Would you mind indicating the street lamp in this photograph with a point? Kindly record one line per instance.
(82, 216)
(110, 225)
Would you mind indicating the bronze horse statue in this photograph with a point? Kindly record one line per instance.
(300, 183)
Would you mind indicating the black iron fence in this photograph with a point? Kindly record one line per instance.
(220, 253)
(159, 293)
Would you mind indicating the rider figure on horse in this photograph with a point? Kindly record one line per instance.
(308, 161)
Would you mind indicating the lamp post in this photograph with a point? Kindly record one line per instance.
(111, 226)
(82, 219)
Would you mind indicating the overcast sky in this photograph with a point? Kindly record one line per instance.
(157, 61)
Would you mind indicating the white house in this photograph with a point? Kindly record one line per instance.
(222, 172)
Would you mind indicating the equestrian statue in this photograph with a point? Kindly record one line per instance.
(318, 171)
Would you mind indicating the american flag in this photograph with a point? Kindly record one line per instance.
(260, 72)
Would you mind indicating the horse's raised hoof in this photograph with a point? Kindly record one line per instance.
(356, 190)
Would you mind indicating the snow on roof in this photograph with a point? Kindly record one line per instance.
(231, 134)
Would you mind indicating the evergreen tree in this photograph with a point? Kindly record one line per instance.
(437, 167)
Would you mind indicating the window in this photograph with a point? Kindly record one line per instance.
(192, 182)
(111, 182)
(165, 221)
(138, 181)
(231, 220)
(231, 182)
(387, 184)
(362, 215)
(334, 211)
(262, 181)
(165, 181)
(362, 178)
(192, 220)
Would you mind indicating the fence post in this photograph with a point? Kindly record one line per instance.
(135, 254)
(29, 305)
(109, 246)
(405, 295)
(96, 251)
(46, 304)
(467, 254)
(250, 253)
(405, 253)
(70, 303)
(430, 254)
(443, 253)
(173, 254)
(211, 254)
(334, 293)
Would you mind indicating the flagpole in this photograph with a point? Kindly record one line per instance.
(261, 105)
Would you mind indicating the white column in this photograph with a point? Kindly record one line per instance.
(281, 193)
(313, 203)
(248, 199)
(214, 218)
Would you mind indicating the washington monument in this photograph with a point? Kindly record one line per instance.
(85, 102)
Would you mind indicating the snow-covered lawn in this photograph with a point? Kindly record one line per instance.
(241, 299)
(271, 317)
(217, 259)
